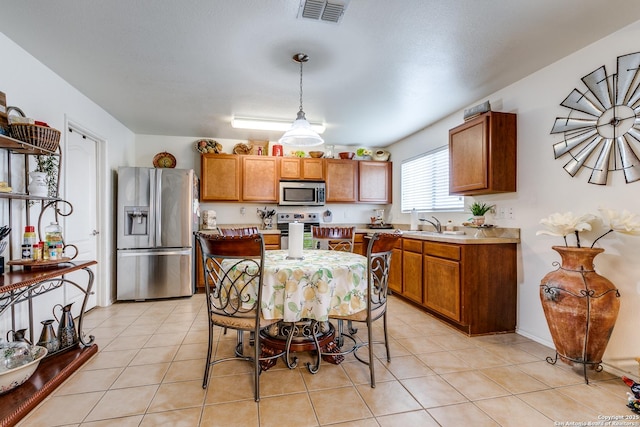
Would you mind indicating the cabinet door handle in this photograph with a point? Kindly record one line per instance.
(95, 232)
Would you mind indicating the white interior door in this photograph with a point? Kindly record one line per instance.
(81, 229)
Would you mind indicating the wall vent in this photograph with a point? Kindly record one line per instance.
(323, 10)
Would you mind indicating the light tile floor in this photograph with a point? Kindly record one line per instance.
(149, 371)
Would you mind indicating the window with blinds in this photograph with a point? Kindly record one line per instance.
(424, 183)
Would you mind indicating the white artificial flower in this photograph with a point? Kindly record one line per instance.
(622, 222)
(563, 224)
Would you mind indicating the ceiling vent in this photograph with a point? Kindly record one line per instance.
(328, 11)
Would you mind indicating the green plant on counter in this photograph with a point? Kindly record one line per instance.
(479, 209)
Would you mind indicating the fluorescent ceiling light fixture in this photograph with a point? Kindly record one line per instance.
(266, 124)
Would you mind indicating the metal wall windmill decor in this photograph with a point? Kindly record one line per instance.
(602, 131)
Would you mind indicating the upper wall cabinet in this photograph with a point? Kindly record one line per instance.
(297, 168)
(341, 180)
(374, 182)
(220, 178)
(482, 155)
(260, 179)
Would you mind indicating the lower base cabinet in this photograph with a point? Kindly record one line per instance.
(442, 286)
(412, 270)
(470, 286)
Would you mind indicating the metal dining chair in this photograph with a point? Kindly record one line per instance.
(240, 231)
(335, 239)
(379, 252)
(233, 271)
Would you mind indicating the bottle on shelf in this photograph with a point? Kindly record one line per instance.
(53, 238)
(28, 240)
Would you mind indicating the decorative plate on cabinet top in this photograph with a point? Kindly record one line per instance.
(208, 146)
(164, 160)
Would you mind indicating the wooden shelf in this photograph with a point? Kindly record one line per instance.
(51, 372)
(18, 146)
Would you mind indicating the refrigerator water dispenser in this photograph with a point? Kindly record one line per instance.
(136, 221)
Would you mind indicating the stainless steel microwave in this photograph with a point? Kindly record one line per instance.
(302, 193)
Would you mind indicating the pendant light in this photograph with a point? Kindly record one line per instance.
(301, 133)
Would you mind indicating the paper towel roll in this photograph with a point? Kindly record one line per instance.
(414, 220)
(296, 239)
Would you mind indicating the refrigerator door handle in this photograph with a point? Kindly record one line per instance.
(153, 210)
(158, 207)
(132, 253)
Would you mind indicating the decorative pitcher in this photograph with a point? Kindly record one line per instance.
(66, 327)
(38, 185)
(18, 335)
(48, 337)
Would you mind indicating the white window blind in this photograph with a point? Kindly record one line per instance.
(424, 183)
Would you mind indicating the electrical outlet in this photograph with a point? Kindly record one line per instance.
(243, 210)
(500, 212)
(509, 213)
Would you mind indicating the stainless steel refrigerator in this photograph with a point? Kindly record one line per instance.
(156, 220)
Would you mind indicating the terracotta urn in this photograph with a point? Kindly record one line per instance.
(581, 307)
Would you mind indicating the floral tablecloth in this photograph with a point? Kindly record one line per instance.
(324, 282)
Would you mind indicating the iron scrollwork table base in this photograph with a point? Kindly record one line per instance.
(305, 335)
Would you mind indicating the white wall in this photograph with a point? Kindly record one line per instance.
(43, 95)
(544, 187)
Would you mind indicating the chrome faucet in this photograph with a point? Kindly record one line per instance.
(435, 224)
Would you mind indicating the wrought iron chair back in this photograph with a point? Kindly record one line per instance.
(333, 238)
(379, 251)
(232, 289)
(233, 270)
(240, 231)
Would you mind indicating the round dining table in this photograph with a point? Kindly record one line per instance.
(302, 293)
(321, 284)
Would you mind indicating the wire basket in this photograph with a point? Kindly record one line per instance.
(40, 136)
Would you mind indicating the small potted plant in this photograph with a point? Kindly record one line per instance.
(49, 166)
(478, 210)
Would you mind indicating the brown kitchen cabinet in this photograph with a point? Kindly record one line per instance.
(220, 180)
(374, 182)
(472, 287)
(412, 269)
(360, 244)
(271, 241)
(260, 179)
(305, 169)
(441, 279)
(395, 271)
(482, 155)
(341, 177)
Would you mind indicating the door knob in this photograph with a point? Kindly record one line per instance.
(95, 232)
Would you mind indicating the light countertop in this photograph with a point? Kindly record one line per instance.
(475, 236)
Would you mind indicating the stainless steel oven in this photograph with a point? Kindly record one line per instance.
(308, 219)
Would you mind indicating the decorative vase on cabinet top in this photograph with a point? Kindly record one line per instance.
(380, 155)
(581, 307)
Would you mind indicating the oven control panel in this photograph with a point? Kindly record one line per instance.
(300, 217)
